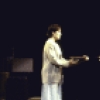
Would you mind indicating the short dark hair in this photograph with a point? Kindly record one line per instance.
(53, 28)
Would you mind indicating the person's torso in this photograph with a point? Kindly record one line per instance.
(48, 69)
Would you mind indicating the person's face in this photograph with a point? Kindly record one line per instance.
(57, 34)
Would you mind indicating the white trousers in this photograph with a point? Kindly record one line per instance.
(51, 92)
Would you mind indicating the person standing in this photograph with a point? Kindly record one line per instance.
(52, 64)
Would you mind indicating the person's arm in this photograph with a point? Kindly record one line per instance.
(71, 62)
(51, 53)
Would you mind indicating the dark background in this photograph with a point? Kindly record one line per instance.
(24, 26)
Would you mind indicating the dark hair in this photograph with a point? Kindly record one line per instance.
(52, 28)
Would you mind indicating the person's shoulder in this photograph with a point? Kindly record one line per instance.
(49, 43)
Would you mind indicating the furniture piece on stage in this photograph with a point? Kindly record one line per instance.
(35, 98)
(17, 88)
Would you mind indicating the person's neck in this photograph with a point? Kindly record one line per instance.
(53, 39)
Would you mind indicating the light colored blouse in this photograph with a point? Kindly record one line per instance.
(52, 62)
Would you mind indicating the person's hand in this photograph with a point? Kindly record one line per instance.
(73, 61)
(86, 58)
